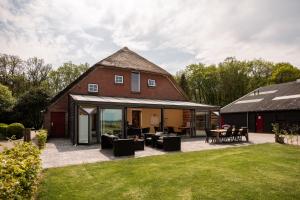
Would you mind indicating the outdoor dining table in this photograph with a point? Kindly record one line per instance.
(218, 132)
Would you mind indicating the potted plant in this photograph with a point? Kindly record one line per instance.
(279, 137)
(42, 138)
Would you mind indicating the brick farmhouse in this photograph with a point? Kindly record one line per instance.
(123, 90)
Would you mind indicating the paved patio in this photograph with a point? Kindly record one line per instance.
(60, 152)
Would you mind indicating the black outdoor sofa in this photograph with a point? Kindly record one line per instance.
(121, 147)
(165, 141)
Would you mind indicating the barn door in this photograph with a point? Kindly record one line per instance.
(259, 123)
(57, 124)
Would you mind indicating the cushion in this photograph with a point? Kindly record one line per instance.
(160, 141)
(159, 133)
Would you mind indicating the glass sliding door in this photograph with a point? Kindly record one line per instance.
(83, 127)
(87, 125)
(111, 122)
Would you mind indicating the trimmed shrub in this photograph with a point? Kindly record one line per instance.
(16, 129)
(19, 171)
(42, 138)
(3, 129)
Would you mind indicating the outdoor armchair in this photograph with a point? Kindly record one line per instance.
(107, 141)
(169, 143)
(123, 147)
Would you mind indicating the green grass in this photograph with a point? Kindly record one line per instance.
(269, 171)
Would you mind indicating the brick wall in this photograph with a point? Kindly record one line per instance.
(105, 78)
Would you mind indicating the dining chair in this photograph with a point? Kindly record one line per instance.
(228, 135)
(209, 135)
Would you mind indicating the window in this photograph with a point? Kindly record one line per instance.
(118, 79)
(93, 87)
(111, 121)
(151, 83)
(135, 82)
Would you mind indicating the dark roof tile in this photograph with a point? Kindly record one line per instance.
(267, 103)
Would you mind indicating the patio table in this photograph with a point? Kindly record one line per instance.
(218, 132)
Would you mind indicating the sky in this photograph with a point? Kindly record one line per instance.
(170, 33)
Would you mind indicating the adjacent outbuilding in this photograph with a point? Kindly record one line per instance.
(278, 103)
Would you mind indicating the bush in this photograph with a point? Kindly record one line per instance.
(16, 129)
(19, 170)
(3, 129)
(42, 138)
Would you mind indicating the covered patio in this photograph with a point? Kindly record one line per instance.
(92, 116)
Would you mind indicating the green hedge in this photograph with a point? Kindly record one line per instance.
(15, 129)
(42, 138)
(19, 170)
(3, 129)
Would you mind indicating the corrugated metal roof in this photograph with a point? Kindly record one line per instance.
(139, 102)
(274, 97)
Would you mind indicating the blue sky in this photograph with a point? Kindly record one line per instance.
(171, 33)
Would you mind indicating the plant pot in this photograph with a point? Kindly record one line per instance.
(279, 139)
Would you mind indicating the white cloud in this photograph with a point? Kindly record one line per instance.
(173, 33)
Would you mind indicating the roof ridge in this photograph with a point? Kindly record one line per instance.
(127, 50)
(99, 62)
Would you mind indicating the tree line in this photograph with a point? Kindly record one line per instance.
(26, 87)
(229, 80)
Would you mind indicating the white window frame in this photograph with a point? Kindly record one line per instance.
(92, 87)
(151, 83)
(117, 78)
(139, 82)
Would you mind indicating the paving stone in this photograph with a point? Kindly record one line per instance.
(60, 152)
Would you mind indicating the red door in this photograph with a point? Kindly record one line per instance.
(57, 124)
(259, 124)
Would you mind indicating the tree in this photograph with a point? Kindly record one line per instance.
(203, 83)
(12, 74)
(61, 77)
(284, 72)
(30, 105)
(183, 83)
(234, 80)
(37, 71)
(259, 72)
(6, 99)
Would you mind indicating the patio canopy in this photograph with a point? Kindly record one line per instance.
(135, 102)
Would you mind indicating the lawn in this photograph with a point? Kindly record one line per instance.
(268, 171)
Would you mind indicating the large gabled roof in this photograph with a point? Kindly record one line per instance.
(125, 58)
(285, 96)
